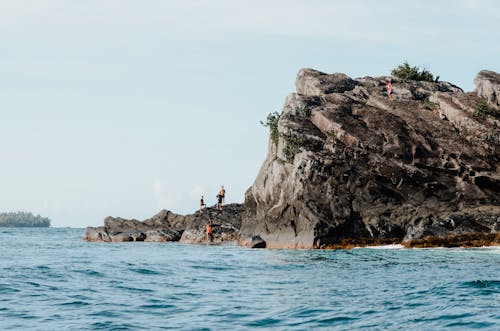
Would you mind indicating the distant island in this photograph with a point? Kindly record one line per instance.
(23, 219)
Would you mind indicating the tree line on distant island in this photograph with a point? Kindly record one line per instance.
(23, 219)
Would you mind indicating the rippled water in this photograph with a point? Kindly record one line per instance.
(51, 280)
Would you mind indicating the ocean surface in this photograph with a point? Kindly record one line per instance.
(51, 280)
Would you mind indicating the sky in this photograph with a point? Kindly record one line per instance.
(124, 108)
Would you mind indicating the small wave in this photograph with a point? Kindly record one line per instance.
(157, 306)
(336, 320)
(482, 284)
(143, 271)
(470, 325)
(444, 317)
(33, 284)
(134, 289)
(104, 313)
(308, 312)
(215, 268)
(75, 303)
(264, 322)
(392, 246)
(110, 326)
(90, 273)
(7, 289)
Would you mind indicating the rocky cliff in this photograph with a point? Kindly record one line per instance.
(346, 167)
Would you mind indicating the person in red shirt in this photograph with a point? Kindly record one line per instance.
(208, 231)
(390, 90)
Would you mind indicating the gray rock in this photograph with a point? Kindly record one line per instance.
(96, 234)
(252, 242)
(311, 82)
(257, 242)
(167, 226)
(369, 171)
(162, 235)
(488, 86)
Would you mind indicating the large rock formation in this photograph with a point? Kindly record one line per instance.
(349, 167)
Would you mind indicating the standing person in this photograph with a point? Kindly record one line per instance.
(390, 90)
(208, 231)
(219, 201)
(202, 203)
(223, 193)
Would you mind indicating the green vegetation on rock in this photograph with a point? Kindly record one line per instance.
(429, 104)
(272, 123)
(407, 72)
(482, 109)
(23, 219)
(304, 110)
(293, 143)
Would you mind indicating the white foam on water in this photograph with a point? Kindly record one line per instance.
(392, 246)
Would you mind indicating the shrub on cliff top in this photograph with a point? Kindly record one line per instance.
(407, 72)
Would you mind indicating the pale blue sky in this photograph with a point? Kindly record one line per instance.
(126, 107)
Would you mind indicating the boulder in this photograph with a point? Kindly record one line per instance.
(257, 242)
(127, 236)
(96, 234)
(162, 235)
(311, 82)
(488, 86)
(252, 242)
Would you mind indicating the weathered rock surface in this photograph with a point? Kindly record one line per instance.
(252, 242)
(488, 86)
(351, 168)
(167, 226)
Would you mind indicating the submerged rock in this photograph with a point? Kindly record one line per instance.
(351, 168)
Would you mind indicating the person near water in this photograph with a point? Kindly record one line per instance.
(390, 90)
(219, 201)
(208, 231)
(202, 203)
(222, 192)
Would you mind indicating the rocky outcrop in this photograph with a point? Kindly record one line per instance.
(352, 168)
(167, 226)
(488, 86)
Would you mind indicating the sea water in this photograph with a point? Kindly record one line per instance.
(52, 280)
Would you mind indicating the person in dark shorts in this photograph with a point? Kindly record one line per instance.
(219, 201)
(202, 203)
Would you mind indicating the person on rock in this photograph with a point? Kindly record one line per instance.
(208, 231)
(222, 192)
(219, 202)
(390, 90)
(202, 203)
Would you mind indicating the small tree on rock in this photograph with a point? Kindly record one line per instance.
(407, 72)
